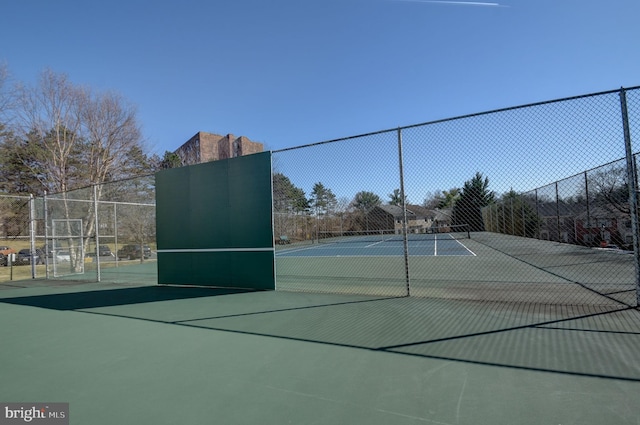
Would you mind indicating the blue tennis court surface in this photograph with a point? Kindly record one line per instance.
(442, 246)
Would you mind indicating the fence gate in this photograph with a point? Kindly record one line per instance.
(67, 249)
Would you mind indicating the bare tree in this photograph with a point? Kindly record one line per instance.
(139, 223)
(111, 132)
(609, 188)
(77, 138)
(49, 117)
(6, 94)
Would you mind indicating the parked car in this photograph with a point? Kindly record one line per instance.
(24, 257)
(131, 252)
(63, 256)
(6, 250)
(104, 251)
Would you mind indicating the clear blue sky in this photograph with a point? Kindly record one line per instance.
(287, 72)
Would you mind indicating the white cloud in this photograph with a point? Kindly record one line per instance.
(458, 3)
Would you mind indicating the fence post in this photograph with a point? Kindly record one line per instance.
(490, 216)
(538, 221)
(633, 190)
(524, 218)
(32, 235)
(47, 248)
(494, 218)
(558, 213)
(513, 222)
(97, 233)
(115, 230)
(586, 191)
(404, 216)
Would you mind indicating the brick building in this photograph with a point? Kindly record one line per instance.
(205, 147)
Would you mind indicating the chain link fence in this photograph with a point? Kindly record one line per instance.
(589, 209)
(82, 235)
(15, 240)
(533, 204)
(449, 209)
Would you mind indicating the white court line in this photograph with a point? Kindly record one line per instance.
(316, 246)
(215, 250)
(465, 247)
(373, 244)
(374, 256)
(435, 247)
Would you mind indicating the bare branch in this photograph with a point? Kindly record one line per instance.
(49, 114)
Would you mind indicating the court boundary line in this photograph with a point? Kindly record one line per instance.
(187, 250)
(373, 256)
(465, 247)
(373, 245)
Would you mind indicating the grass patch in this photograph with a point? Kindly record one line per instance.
(8, 274)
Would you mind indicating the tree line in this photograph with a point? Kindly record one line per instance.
(57, 136)
(463, 204)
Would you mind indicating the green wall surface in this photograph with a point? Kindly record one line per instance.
(214, 224)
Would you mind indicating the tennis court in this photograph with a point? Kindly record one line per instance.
(377, 246)
(509, 325)
(121, 353)
(484, 267)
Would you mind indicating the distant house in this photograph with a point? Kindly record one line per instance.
(384, 217)
(391, 217)
(557, 221)
(420, 220)
(205, 147)
(574, 223)
(603, 225)
(442, 218)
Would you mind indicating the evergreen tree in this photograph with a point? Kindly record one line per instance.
(170, 160)
(323, 200)
(474, 196)
(364, 202)
(286, 196)
(395, 198)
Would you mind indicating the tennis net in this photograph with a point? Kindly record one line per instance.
(460, 231)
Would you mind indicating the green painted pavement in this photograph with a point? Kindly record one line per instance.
(163, 355)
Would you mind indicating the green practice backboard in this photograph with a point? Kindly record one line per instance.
(214, 224)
